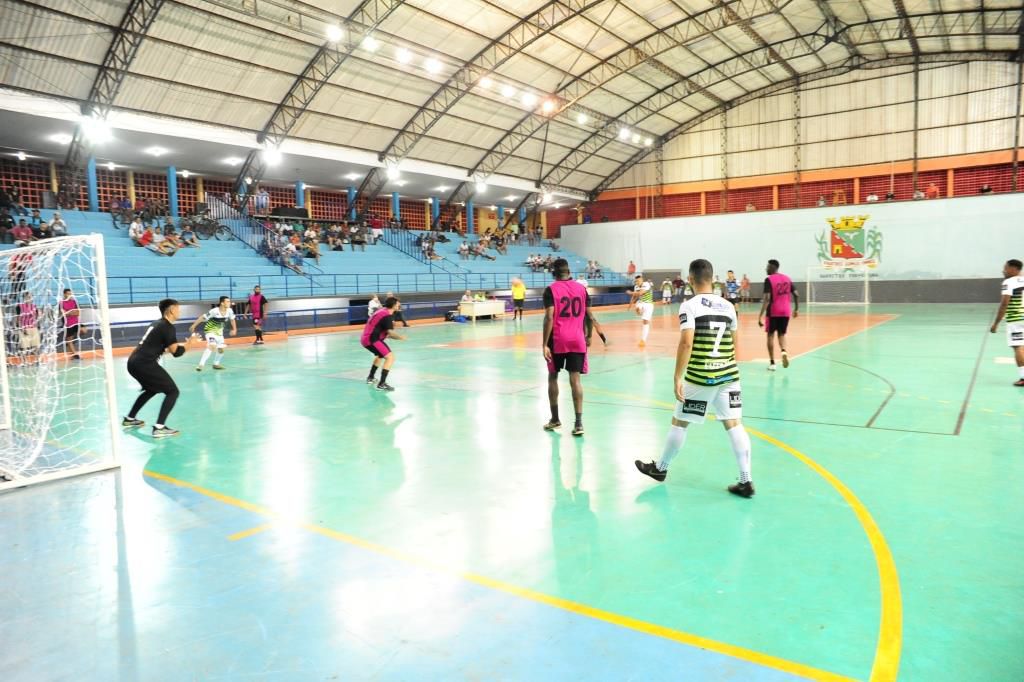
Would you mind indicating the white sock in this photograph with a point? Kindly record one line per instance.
(741, 448)
(1020, 370)
(673, 444)
(206, 356)
(219, 357)
(645, 332)
(158, 426)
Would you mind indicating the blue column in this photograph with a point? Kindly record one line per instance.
(300, 194)
(501, 217)
(469, 217)
(351, 203)
(435, 209)
(522, 215)
(172, 190)
(396, 207)
(90, 175)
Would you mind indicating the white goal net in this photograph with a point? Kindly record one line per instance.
(57, 409)
(850, 285)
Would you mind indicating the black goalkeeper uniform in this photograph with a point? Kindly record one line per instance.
(144, 365)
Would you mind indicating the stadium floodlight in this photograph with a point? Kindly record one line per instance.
(334, 33)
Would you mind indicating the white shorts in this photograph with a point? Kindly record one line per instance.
(217, 339)
(724, 400)
(645, 311)
(1015, 334)
(666, 295)
(30, 338)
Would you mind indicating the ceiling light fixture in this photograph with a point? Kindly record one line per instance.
(481, 187)
(636, 138)
(61, 138)
(185, 174)
(21, 156)
(370, 44)
(546, 199)
(582, 119)
(272, 156)
(493, 207)
(248, 181)
(233, 161)
(442, 188)
(558, 206)
(433, 65)
(403, 55)
(394, 173)
(401, 183)
(623, 134)
(529, 99)
(648, 142)
(352, 176)
(511, 197)
(486, 82)
(96, 130)
(110, 165)
(548, 106)
(508, 91)
(155, 151)
(334, 33)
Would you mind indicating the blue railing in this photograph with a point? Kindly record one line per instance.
(408, 242)
(191, 287)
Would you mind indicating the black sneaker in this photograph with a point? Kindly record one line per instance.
(128, 422)
(385, 387)
(742, 489)
(552, 425)
(164, 432)
(371, 380)
(577, 430)
(651, 469)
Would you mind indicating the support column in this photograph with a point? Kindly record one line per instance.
(917, 102)
(636, 208)
(396, 207)
(309, 202)
(300, 194)
(949, 183)
(200, 190)
(435, 210)
(426, 214)
(172, 190)
(1014, 185)
(522, 216)
(131, 188)
(90, 179)
(501, 217)
(54, 184)
(775, 197)
(703, 203)
(797, 161)
(723, 202)
(351, 203)
(856, 190)
(470, 217)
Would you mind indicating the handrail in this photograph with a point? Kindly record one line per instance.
(250, 231)
(405, 241)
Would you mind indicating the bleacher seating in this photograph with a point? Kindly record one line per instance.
(232, 268)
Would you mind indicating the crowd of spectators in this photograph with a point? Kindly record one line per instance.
(290, 244)
(30, 229)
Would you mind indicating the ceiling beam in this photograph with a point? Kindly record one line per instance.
(908, 30)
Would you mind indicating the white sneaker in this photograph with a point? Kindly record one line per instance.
(785, 359)
(771, 367)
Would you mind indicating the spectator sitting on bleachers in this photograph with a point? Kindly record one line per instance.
(311, 245)
(188, 236)
(334, 242)
(358, 238)
(464, 250)
(553, 245)
(6, 225)
(985, 189)
(45, 231)
(12, 200)
(871, 198)
(58, 226)
(22, 234)
(478, 250)
(135, 231)
(291, 258)
(160, 244)
(35, 220)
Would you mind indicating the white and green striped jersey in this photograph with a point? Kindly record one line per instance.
(645, 291)
(713, 321)
(215, 320)
(1014, 288)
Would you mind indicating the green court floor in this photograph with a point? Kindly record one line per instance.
(885, 539)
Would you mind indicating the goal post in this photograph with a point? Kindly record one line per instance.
(843, 285)
(58, 412)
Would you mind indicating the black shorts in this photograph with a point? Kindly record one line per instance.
(570, 362)
(70, 333)
(151, 376)
(777, 324)
(378, 348)
(518, 303)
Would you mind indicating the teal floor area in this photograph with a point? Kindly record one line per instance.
(305, 526)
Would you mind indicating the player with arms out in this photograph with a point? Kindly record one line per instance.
(144, 366)
(567, 323)
(379, 328)
(643, 298)
(1012, 306)
(706, 376)
(213, 330)
(518, 298)
(257, 304)
(777, 290)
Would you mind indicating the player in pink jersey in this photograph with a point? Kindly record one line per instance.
(777, 290)
(258, 309)
(567, 325)
(70, 311)
(379, 327)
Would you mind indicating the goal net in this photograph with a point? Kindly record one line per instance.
(57, 409)
(849, 284)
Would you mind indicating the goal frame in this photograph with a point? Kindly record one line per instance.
(106, 356)
(812, 281)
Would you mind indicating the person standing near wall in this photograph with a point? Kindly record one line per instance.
(1012, 306)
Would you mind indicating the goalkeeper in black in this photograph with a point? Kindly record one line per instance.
(144, 366)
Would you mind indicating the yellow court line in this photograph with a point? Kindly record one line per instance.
(249, 532)
(689, 639)
(890, 631)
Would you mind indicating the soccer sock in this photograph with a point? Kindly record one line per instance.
(554, 413)
(206, 356)
(373, 372)
(1020, 371)
(384, 376)
(741, 448)
(219, 357)
(579, 418)
(259, 334)
(645, 332)
(673, 444)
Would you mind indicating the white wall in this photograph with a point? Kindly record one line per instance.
(969, 237)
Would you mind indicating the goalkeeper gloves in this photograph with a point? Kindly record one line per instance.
(179, 351)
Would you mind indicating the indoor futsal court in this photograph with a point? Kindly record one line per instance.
(306, 526)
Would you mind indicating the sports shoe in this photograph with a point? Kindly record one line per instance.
(385, 387)
(129, 422)
(164, 432)
(642, 343)
(1019, 382)
(742, 489)
(577, 430)
(218, 366)
(771, 367)
(199, 368)
(651, 469)
(552, 425)
(259, 342)
(371, 380)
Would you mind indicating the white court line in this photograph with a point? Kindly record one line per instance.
(842, 338)
(1006, 361)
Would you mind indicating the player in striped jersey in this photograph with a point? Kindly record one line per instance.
(706, 376)
(213, 329)
(643, 298)
(1012, 305)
